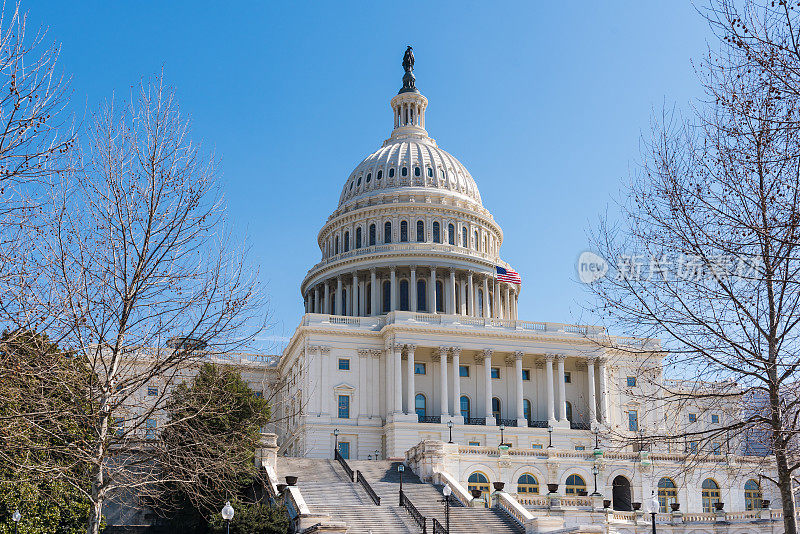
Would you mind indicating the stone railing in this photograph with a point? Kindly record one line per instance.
(459, 492)
(507, 503)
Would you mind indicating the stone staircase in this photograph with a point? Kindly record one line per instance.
(326, 489)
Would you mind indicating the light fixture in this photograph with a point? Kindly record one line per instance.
(227, 514)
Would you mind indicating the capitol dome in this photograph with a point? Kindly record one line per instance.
(410, 232)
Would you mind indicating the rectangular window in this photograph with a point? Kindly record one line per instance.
(119, 422)
(714, 418)
(344, 364)
(633, 420)
(150, 428)
(463, 371)
(536, 445)
(716, 448)
(567, 377)
(526, 374)
(693, 446)
(419, 368)
(631, 381)
(495, 372)
(474, 443)
(152, 391)
(344, 406)
(344, 449)
(259, 394)
(692, 417)
(580, 448)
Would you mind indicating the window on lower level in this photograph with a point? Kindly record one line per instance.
(693, 447)
(344, 364)
(692, 417)
(716, 448)
(567, 377)
(631, 381)
(152, 391)
(151, 425)
(580, 447)
(463, 371)
(419, 368)
(536, 445)
(495, 372)
(633, 420)
(119, 423)
(474, 443)
(526, 374)
(344, 407)
(714, 418)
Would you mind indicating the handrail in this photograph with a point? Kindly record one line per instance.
(337, 455)
(420, 519)
(438, 528)
(371, 492)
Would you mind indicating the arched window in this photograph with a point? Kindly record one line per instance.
(380, 174)
(404, 171)
(451, 234)
(437, 234)
(667, 494)
(358, 237)
(464, 237)
(465, 407)
(710, 494)
(574, 484)
(419, 406)
(476, 240)
(421, 294)
(358, 184)
(387, 296)
(569, 411)
(496, 409)
(527, 483)
(420, 231)
(336, 247)
(387, 232)
(369, 176)
(752, 495)
(439, 296)
(404, 231)
(343, 296)
(526, 409)
(478, 481)
(372, 235)
(480, 303)
(430, 172)
(404, 295)
(346, 241)
(391, 172)
(417, 171)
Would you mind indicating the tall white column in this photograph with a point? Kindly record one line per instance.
(388, 394)
(487, 400)
(518, 371)
(443, 398)
(412, 289)
(592, 399)
(498, 302)
(432, 291)
(356, 305)
(373, 292)
(471, 294)
(392, 289)
(326, 299)
(316, 299)
(562, 394)
(339, 299)
(463, 310)
(452, 308)
(486, 313)
(604, 415)
(456, 351)
(398, 378)
(548, 371)
(410, 388)
(509, 315)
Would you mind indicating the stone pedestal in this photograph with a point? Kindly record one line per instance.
(676, 518)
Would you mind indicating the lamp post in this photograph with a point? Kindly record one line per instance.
(336, 445)
(596, 437)
(16, 516)
(376, 454)
(227, 515)
(400, 469)
(446, 491)
(595, 471)
(550, 432)
(654, 506)
(450, 429)
(502, 428)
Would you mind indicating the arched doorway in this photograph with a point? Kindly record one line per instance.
(621, 494)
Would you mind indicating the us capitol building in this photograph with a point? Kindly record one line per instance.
(411, 351)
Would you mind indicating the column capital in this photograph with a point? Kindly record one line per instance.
(312, 348)
(398, 347)
(413, 268)
(510, 360)
(432, 268)
(410, 347)
(561, 356)
(550, 357)
(324, 350)
(518, 354)
(364, 352)
(487, 353)
(392, 268)
(443, 352)
(456, 351)
(452, 271)
(372, 270)
(479, 359)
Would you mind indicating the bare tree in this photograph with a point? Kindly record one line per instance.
(136, 276)
(706, 250)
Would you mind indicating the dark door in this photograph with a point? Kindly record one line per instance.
(621, 494)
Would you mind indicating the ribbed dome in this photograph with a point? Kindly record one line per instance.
(414, 162)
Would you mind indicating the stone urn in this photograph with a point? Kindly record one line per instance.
(606, 503)
(281, 488)
(718, 506)
(476, 493)
(765, 504)
(291, 480)
(498, 486)
(636, 506)
(675, 506)
(552, 488)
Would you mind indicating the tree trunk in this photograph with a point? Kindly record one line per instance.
(787, 498)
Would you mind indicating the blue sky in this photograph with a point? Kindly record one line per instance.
(544, 103)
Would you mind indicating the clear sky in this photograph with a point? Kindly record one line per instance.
(543, 102)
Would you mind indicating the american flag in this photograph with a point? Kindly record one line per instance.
(507, 275)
